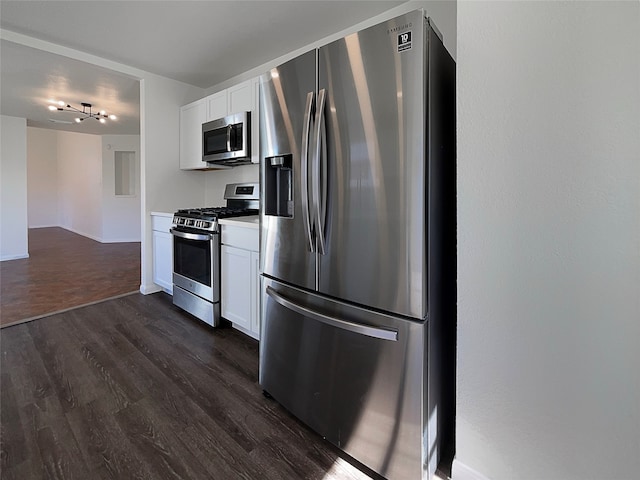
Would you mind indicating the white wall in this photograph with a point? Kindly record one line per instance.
(67, 198)
(549, 240)
(80, 183)
(13, 188)
(216, 180)
(120, 214)
(165, 188)
(42, 177)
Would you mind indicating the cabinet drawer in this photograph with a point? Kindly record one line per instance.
(161, 223)
(247, 238)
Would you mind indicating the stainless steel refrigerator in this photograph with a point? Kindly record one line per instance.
(357, 145)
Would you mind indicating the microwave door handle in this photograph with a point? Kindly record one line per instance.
(229, 127)
(304, 170)
(319, 171)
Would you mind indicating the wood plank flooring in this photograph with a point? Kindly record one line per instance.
(134, 388)
(65, 270)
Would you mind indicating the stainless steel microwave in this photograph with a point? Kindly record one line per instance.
(227, 141)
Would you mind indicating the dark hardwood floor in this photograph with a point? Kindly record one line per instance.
(65, 270)
(134, 388)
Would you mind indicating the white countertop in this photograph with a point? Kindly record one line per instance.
(250, 221)
(162, 214)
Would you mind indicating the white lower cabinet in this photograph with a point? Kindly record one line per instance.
(235, 282)
(255, 293)
(240, 279)
(162, 252)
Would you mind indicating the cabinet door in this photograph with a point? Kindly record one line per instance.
(163, 260)
(240, 98)
(236, 285)
(192, 117)
(217, 105)
(255, 294)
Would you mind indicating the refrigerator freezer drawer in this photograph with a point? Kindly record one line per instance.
(355, 376)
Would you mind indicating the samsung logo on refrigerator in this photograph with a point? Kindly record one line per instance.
(404, 37)
(399, 28)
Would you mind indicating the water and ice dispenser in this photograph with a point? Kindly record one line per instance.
(278, 179)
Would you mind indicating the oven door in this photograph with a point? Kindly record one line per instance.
(196, 263)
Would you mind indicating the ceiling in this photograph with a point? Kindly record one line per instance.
(31, 78)
(202, 43)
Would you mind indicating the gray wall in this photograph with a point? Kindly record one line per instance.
(42, 178)
(549, 240)
(13, 188)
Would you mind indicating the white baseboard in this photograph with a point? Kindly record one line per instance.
(121, 240)
(459, 471)
(149, 288)
(245, 331)
(14, 257)
(92, 237)
(102, 240)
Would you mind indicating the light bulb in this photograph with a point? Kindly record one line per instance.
(102, 120)
(112, 117)
(61, 103)
(52, 107)
(78, 120)
(102, 112)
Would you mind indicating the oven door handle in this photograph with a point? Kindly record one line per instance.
(190, 236)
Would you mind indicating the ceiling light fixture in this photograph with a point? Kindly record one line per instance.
(85, 113)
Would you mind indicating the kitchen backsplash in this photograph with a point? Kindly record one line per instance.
(216, 180)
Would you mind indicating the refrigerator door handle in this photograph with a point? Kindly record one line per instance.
(304, 170)
(375, 332)
(319, 171)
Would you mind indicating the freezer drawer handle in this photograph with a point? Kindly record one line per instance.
(381, 333)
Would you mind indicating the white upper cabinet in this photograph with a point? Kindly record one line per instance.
(238, 98)
(243, 97)
(217, 105)
(192, 116)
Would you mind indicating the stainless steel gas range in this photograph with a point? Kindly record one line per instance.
(196, 251)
